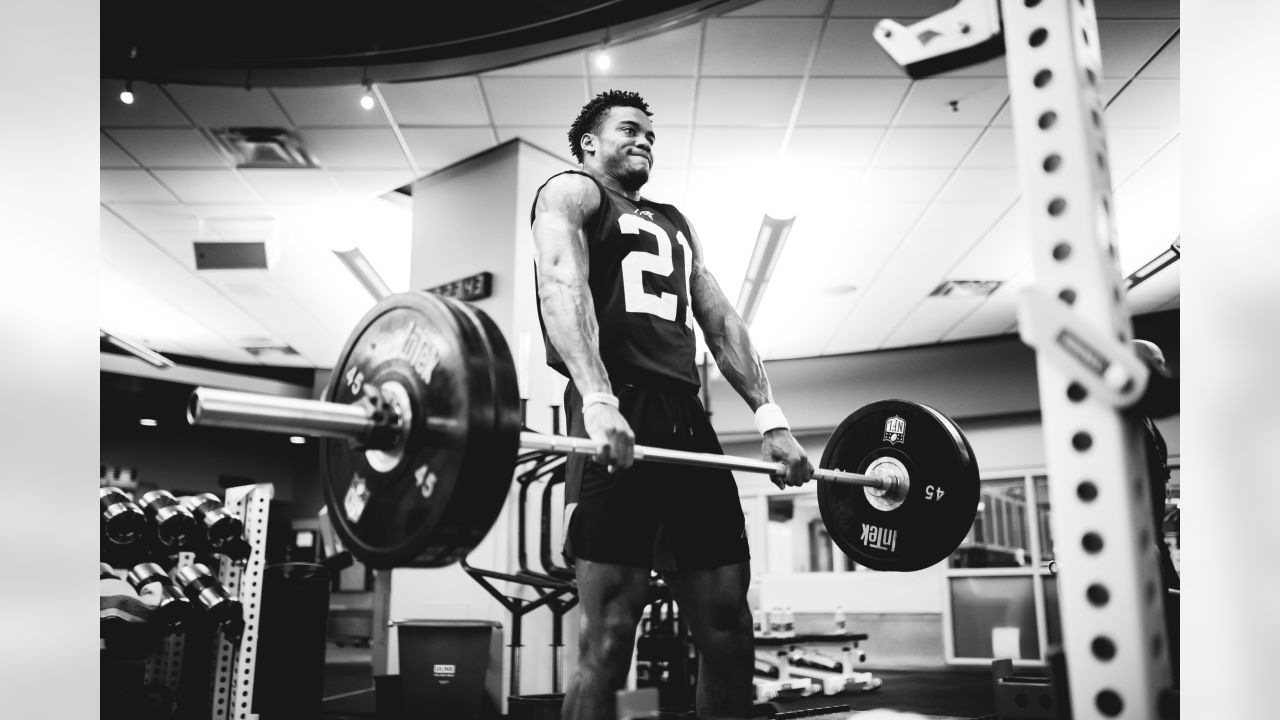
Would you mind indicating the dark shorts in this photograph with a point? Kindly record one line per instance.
(654, 515)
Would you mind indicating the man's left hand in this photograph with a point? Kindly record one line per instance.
(781, 446)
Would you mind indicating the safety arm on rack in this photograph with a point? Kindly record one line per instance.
(965, 34)
(1103, 366)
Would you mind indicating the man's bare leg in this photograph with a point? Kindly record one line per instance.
(610, 598)
(714, 604)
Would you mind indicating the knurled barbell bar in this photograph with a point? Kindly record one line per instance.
(420, 430)
(380, 428)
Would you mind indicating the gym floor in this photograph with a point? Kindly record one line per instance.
(941, 692)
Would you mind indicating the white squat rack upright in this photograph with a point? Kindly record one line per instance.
(1076, 317)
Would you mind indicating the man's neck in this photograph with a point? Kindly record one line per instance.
(612, 183)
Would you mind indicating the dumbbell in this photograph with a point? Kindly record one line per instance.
(206, 593)
(156, 589)
(122, 521)
(174, 523)
(220, 526)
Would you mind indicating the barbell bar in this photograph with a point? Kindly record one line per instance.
(359, 423)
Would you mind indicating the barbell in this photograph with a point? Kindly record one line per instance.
(420, 430)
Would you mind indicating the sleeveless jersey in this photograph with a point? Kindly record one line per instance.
(639, 263)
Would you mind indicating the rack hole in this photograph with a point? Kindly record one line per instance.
(1067, 296)
(1047, 119)
(1087, 490)
(1038, 36)
(1031, 3)
(1091, 76)
(1061, 251)
(1076, 392)
(1042, 78)
(1053, 162)
(1109, 703)
(1082, 441)
(1057, 206)
(1091, 542)
(1084, 35)
(1097, 118)
(1103, 648)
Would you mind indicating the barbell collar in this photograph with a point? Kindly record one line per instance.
(583, 446)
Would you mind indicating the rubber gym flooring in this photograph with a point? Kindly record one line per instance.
(940, 693)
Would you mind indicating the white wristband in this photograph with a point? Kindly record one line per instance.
(770, 417)
(599, 398)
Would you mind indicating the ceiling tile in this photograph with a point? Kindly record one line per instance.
(453, 101)
(779, 331)
(110, 224)
(156, 148)
(993, 318)
(977, 102)
(569, 64)
(214, 211)
(848, 48)
(550, 139)
(758, 102)
(131, 186)
(734, 146)
(534, 101)
(370, 183)
(851, 101)
(228, 106)
(133, 310)
(258, 294)
(995, 149)
(889, 185)
(355, 149)
(906, 147)
(434, 148)
(1002, 252)
(929, 321)
(843, 147)
(1147, 104)
(981, 185)
(666, 184)
(152, 218)
(670, 99)
(758, 47)
(1146, 217)
(671, 53)
(781, 8)
(1127, 44)
(1129, 148)
(1156, 291)
(1160, 9)
(292, 186)
(206, 186)
(111, 156)
(1167, 64)
(328, 107)
(150, 108)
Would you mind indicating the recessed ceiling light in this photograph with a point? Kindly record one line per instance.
(147, 422)
(297, 439)
(603, 61)
(966, 288)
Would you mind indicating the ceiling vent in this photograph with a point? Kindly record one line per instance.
(264, 147)
(966, 288)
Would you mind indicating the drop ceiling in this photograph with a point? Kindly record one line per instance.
(899, 185)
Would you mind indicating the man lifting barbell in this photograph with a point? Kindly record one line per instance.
(621, 280)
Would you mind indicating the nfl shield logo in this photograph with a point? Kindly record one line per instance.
(895, 430)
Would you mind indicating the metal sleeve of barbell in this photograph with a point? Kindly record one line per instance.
(583, 446)
(271, 413)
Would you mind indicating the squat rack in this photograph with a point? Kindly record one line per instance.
(1075, 315)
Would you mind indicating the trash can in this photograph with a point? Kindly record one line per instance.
(450, 669)
(289, 677)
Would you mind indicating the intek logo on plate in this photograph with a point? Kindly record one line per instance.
(879, 538)
(420, 353)
(895, 430)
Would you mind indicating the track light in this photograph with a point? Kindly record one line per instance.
(126, 95)
(359, 266)
(366, 100)
(137, 350)
(769, 242)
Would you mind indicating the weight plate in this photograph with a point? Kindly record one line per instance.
(411, 507)
(941, 502)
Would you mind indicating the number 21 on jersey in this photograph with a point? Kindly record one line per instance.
(638, 262)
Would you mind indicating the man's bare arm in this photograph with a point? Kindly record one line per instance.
(568, 311)
(730, 344)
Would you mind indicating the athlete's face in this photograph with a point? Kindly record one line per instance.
(624, 146)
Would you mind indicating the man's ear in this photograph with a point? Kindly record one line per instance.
(588, 143)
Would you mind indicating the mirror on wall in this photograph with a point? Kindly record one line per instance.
(796, 538)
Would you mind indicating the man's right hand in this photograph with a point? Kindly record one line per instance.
(609, 429)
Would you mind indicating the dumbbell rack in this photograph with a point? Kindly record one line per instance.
(234, 649)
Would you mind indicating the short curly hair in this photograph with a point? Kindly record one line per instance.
(588, 120)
